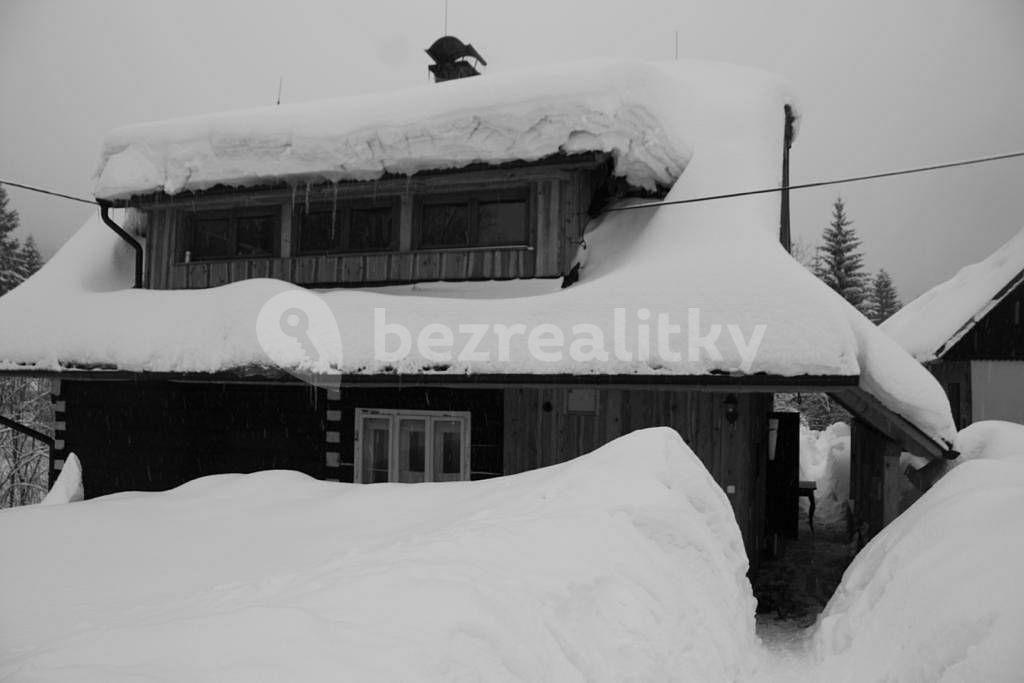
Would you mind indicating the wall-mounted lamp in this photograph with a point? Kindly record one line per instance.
(732, 411)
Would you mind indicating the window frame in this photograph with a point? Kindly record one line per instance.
(233, 216)
(344, 219)
(430, 417)
(472, 199)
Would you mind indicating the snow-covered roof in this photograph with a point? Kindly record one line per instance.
(625, 108)
(720, 259)
(934, 322)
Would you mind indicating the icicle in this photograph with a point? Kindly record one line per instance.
(295, 190)
(307, 197)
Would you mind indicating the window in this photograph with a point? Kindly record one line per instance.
(411, 446)
(241, 233)
(348, 227)
(491, 219)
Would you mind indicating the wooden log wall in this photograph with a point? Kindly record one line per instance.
(540, 430)
(153, 436)
(955, 378)
(875, 478)
(558, 205)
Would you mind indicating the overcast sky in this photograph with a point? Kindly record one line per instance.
(882, 85)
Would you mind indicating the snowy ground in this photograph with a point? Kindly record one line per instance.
(625, 564)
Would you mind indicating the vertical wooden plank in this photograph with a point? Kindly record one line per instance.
(542, 231)
(324, 270)
(285, 246)
(405, 218)
(891, 478)
(612, 399)
(279, 268)
(351, 268)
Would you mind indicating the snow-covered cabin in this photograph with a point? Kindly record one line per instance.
(461, 281)
(968, 332)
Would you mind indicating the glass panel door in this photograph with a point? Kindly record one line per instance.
(375, 449)
(447, 450)
(412, 449)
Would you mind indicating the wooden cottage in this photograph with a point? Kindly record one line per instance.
(968, 332)
(500, 200)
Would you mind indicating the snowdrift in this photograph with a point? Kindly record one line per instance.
(992, 440)
(825, 460)
(937, 595)
(624, 564)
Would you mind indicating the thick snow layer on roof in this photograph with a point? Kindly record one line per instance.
(937, 595)
(636, 111)
(624, 564)
(934, 321)
(706, 266)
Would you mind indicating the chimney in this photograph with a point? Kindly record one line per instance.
(451, 59)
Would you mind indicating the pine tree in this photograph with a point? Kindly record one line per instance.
(9, 247)
(883, 299)
(841, 264)
(30, 260)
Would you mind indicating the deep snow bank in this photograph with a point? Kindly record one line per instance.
(825, 460)
(937, 595)
(991, 440)
(624, 564)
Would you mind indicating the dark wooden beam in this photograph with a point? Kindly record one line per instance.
(895, 426)
(27, 431)
(758, 383)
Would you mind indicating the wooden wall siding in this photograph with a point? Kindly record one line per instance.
(539, 432)
(153, 436)
(874, 477)
(955, 378)
(351, 269)
(997, 336)
(558, 217)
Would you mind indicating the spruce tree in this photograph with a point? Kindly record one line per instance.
(30, 259)
(841, 264)
(883, 299)
(10, 270)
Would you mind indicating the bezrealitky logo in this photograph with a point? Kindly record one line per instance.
(300, 335)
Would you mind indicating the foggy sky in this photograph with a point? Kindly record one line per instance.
(882, 85)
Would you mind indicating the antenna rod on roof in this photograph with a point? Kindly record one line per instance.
(677, 45)
(280, 83)
(445, 17)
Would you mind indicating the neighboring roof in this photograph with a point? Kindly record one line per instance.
(626, 108)
(720, 260)
(934, 322)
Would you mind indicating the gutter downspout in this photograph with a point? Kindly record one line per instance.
(132, 242)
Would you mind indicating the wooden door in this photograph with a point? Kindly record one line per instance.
(782, 502)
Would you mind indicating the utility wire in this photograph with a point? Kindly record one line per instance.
(692, 200)
(42, 190)
(824, 183)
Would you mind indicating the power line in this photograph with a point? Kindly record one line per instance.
(43, 190)
(692, 200)
(824, 183)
